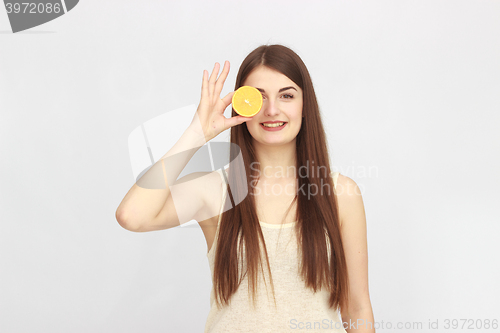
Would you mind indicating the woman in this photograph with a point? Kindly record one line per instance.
(288, 211)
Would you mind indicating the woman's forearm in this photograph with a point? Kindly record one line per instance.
(148, 196)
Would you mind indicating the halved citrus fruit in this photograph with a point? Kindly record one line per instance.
(247, 101)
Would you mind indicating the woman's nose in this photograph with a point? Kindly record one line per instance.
(270, 108)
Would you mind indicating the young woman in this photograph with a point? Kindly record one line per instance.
(286, 236)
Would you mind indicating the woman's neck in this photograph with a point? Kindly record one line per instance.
(276, 163)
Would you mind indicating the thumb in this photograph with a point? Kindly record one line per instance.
(237, 120)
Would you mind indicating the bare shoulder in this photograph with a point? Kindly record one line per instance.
(349, 199)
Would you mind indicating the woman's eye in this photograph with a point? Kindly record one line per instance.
(287, 96)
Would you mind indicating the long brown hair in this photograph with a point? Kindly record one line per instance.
(317, 228)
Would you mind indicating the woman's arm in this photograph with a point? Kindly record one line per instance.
(358, 315)
(151, 195)
(149, 204)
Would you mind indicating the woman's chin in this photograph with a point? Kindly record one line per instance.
(273, 142)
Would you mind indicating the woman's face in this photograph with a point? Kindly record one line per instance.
(282, 101)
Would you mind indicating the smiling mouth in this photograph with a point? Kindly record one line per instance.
(271, 125)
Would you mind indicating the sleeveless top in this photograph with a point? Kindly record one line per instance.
(297, 307)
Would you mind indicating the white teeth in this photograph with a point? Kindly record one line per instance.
(272, 124)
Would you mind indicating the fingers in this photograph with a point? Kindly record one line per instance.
(204, 84)
(226, 101)
(212, 87)
(222, 78)
(228, 98)
(213, 78)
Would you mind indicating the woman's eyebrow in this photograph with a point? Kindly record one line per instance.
(282, 89)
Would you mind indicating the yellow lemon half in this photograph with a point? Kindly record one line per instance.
(247, 101)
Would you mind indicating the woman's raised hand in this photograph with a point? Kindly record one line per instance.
(209, 119)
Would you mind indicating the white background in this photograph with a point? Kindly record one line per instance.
(410, 89)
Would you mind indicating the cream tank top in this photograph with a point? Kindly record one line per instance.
(297, 308)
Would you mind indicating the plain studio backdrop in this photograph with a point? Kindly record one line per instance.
(409, 92)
